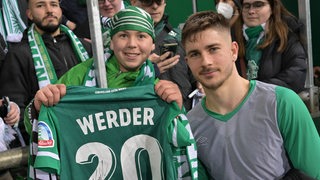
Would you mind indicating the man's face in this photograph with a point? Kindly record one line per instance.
(132, 48)
(108, 8)
(155, 10)
(46, 14)
(211, 56)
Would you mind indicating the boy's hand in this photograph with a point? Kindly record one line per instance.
(169, 92)
(49, 95)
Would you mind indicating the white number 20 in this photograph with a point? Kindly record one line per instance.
(132, 146)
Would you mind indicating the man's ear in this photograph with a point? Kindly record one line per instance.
(29, 14)
(153, 47)
(234, 50)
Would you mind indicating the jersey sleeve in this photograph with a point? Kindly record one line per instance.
(300, 136)
(47, 158)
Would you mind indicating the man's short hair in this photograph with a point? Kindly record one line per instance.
(201, 21)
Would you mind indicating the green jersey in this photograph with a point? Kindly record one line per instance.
(124, 133)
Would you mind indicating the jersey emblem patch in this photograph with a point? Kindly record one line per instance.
(45, 138)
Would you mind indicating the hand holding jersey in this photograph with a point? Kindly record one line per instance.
(52, 93)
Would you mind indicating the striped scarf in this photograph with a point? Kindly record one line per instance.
(254, 37)
(46, 75)
(44, 69)
(11, 25)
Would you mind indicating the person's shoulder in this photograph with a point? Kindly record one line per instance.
(294, 24)
(76, 74)
(287, 96)
(20, 48)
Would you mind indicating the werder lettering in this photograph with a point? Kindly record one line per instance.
(111, 119)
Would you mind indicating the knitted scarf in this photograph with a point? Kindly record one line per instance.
(11, 24)
(117, 79)
(44, 69)
(254, 37)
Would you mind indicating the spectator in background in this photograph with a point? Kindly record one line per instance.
(74, 13)
(270, 49)
(107, 9)
(244, 129)
(45, 53)
(230, 9)
(173, 68)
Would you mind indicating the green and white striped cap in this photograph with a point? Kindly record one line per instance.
(132, 18)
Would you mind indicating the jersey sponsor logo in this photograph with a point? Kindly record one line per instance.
(45, 138)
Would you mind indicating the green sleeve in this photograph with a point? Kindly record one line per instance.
(300, 136)
(76, 75)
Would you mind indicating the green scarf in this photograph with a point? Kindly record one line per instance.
(44, 69)
(254, 37)
(118, 79)
(11, 24)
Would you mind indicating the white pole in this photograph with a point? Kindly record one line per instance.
(97, 44)
(194, 6)
(304, 15)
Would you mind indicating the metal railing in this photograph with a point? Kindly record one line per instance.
(14, 158)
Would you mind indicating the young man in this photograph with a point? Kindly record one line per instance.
(244, 129)
(45, 53)
(173, 68)
(133, 133)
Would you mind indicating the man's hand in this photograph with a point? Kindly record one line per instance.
(163, 62)
(169, 92)
(49, 95)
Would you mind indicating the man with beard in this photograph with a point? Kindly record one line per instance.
(46, 51)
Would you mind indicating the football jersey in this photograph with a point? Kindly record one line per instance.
(124, 133)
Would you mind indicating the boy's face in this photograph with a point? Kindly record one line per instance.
(46, 14)
(132, 49)
(211, 55)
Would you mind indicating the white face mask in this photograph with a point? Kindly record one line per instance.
(225, 9)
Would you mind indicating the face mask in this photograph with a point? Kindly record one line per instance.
(225, 9)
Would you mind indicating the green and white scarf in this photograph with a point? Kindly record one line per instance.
(118, 79)
(44, 69)
(254, 37)
(11, 25)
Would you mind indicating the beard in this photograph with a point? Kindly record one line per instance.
(50, 28)
(218, 82)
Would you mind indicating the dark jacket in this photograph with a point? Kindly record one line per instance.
(18, 77)
(3, 49)
(288, 68)
(180, 73)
